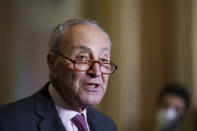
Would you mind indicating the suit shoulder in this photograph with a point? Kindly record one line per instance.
(97, 113)
(18, 107)
(18, 115)
(102, 119)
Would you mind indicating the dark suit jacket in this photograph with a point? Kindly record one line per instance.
(38, 113)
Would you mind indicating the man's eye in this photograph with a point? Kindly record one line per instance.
(104, 60)
(81, 58)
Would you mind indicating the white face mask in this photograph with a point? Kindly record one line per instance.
(166, 118)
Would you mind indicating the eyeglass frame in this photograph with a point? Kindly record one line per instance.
(90, 63)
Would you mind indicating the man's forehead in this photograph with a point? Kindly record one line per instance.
(172, 96)
(87, 49)
(85, 37)
(174, 99)
(82, 31)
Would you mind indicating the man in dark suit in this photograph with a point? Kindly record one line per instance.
(79, 65)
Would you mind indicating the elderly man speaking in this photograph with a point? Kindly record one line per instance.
(79, 67)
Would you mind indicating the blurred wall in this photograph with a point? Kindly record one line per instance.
(165, 54)
(153, 43)
(26, 27)
(194, 60)
(154, 57)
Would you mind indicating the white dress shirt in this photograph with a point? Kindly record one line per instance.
(65, 114)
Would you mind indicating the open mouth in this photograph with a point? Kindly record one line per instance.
(92, 86)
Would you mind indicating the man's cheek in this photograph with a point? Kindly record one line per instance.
(105, 81)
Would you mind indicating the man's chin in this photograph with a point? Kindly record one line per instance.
(91, 103)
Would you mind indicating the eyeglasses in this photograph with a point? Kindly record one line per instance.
(105, 68)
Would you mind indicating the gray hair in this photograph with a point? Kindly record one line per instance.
(61, 28)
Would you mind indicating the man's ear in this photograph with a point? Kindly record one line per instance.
(52, 63)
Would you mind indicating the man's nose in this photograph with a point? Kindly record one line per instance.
(95, 69)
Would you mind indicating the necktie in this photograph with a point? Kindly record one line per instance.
(80, 122)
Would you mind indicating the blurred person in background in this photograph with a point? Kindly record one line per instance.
(172, 105)
(79, 67)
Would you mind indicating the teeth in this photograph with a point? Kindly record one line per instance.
(92, 85)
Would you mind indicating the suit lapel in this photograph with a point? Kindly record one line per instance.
(45, 109)
(91, 120)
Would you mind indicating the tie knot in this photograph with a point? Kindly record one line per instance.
(80, 122)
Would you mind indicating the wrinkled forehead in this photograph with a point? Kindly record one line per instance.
(85, 35)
